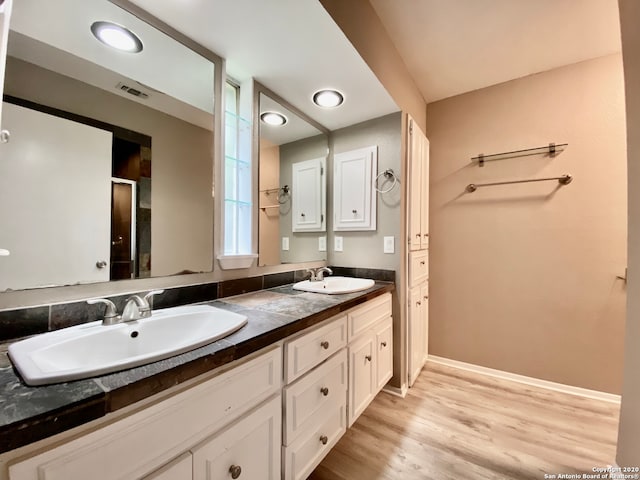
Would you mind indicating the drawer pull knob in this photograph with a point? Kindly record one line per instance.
(422, 262)
(324, 345)
(426, 297)
(324, 439)
(383, 344)
(324, 391)
(418, 304)
(418, 235)
(368, 358)
(235, 471)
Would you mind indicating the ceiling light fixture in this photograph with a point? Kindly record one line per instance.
(116, 36)
(273, 118)
(328, 98)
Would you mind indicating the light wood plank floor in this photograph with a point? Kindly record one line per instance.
(456, 425)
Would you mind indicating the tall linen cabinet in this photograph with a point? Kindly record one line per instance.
(418, 249)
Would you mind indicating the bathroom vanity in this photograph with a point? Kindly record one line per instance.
(267, 402)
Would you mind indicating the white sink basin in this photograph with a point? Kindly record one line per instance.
(334, 285)
(94, 349)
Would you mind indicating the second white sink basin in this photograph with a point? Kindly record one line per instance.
(335, 285)
(94, 349)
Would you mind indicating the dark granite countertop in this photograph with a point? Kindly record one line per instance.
(28, 414)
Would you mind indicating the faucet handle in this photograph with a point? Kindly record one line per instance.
(110, 312)
(313, 273)
(149, 296)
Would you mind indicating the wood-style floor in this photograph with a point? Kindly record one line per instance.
(456, 425)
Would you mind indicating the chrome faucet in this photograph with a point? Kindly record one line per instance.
(135, 308)
(317, 274)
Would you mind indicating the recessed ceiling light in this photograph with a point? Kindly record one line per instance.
(116, 36)
(273, 118)
(328, 98)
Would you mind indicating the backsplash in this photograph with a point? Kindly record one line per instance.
(17, 323)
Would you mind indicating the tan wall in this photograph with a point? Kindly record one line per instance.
(629, 432)
(523, 277)
(269, 218)
(360, 23)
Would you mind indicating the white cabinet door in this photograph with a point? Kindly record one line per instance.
(424, 190)
(308, 193)
(354, 198)
(362, 373)
(249, 448)
(418, 152)
(384, 353)
(416, 333)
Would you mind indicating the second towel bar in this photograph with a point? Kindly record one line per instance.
(563, 180)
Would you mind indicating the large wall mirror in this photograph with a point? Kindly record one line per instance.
(109, 170)
(292, 215)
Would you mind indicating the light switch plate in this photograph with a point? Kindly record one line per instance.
(322, 244)
(285, 243)
(389, 245)
(337, 244)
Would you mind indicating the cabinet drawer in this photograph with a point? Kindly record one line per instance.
(303, 455)
(418, 267)
(179, 469)
(309, 350)
(249, 448)
(309, 400)
(140, 443)
(364, 317)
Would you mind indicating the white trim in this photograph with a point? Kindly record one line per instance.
(398, 392)
(536, 382)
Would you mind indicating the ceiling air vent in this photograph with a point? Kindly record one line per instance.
(132, 91)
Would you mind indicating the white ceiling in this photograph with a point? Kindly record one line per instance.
(293, 47)
(456, 46)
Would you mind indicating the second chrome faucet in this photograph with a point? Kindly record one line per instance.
(135, 308)
(317, 274)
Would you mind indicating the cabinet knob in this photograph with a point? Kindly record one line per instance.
(418, 304)
(426, 297)
(383, 344)
(235, 471)
(418, 235)
(422, 262)
(101, 264)
(354, 211)
(324, 345)
(324, 391)
(324, 439)
(368, 358)
(302, 215)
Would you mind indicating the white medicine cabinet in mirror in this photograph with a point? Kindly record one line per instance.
(293, 152)
(109, 171)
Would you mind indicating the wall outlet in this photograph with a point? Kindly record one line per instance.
(285, 243)
(389, 245)
(322, 244)
(337, 244)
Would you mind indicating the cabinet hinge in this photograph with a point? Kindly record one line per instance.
(321, 170)
(321, 217)
(411, 127)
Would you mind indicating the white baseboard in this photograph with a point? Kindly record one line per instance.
(398, 392)
(536, 382)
